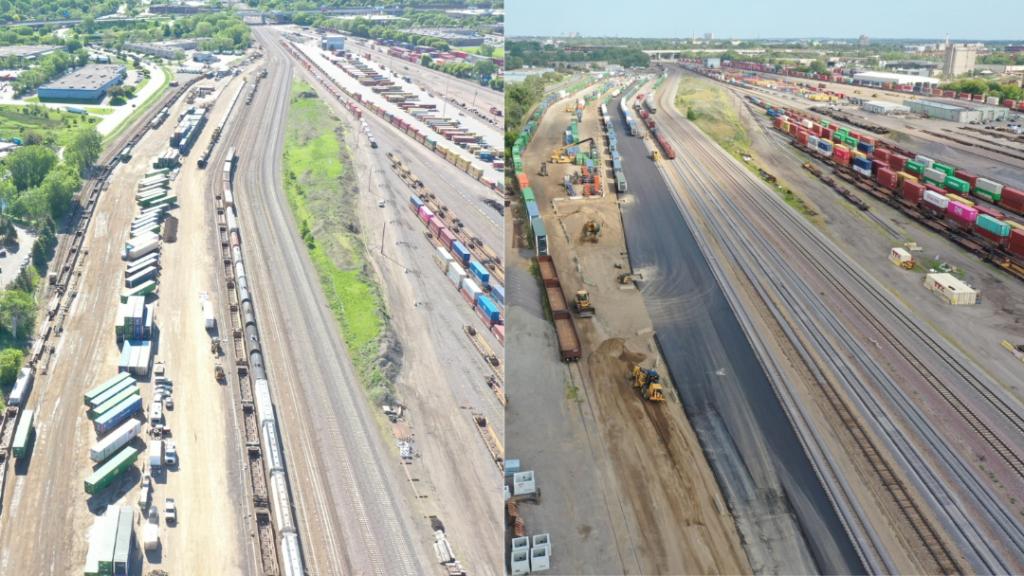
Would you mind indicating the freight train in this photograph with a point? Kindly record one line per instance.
(266, 418)
(565, 326)
(631, 126)
(935, 190)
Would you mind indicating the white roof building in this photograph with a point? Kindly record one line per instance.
(879, 78)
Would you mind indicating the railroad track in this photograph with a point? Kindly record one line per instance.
(783, 228)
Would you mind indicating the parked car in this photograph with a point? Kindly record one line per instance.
(170, 511)
(170, 453)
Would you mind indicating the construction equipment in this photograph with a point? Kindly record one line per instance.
(655, 155)
(591, 231)
(215, 347)
(648, 381)
(584, 307)
(543, 168)
(559, 156)
(218, 373)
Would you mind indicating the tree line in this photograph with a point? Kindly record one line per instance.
(986, 87)
(530, 53)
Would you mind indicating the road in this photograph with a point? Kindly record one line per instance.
(727, 395)
(347, 484)
(934, 410)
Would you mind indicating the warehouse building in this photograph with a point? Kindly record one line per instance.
(333, 42)
(963, 114)
(890, 79)
(86, 84)
(880, 107)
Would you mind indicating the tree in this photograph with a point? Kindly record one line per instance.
(10, 363)
(691, 115)
(426, 60)
(17, 312)
(84, 147)
(28, 165)
(486, 50)
(59, 188)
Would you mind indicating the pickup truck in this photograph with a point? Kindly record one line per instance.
(170, 511)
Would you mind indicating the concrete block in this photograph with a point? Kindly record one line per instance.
(540, 560)
(520, 562)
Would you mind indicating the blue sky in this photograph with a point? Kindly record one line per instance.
(961, 19)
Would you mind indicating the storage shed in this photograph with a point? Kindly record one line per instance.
(951, 289)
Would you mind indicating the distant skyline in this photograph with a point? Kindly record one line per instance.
(753, 19)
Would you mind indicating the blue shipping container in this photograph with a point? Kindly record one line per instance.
(480, 271)
(117, 415)
(862, 163)
(531, 209)
(824, 145)
(489, 308)
(865, 147)
(415, 201)
(498, 293)
(460, 251)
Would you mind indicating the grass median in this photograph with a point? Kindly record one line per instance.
(323, 195)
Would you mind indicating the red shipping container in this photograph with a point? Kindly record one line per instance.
(524, 182)
(816, 129)
(446, 237)
(970, 178)
(1009, 103)
(777, 122)
(897, 162)
(989, 236)
(841, 155)
(936, 189)
(855, 135)
(881, 154)
(827, 133)
(801, 136)
(1015, 245)
(1012, 200)
(912, 191)
(990, 212)
(877, 165)
(867, 139)
(887, 178)
(499, 332)
(435, 225)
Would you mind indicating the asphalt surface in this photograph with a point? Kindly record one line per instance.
(344, 479)
(717, 374)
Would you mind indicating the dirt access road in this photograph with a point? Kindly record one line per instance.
(665, 512)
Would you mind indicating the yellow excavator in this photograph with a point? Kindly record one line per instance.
(591, 231)
(559, 156)
(655, 155)
(649, 383)
(584, 307)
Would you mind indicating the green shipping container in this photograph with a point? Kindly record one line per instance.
(113, 402)
(106, 473)
(110, 393)
(528, 194)
(995, 198)
(914, 167)
(957, 185)
(990, 224)
(932, 181)
(947, 169)
(24, 434)
(91, 395)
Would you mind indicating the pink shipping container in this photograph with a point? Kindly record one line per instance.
(446, 237)
(499, 332)
(467, 297)
(961, 214)
(425, 214)
(881, 154)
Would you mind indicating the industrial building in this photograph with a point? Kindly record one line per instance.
(963, 113)
(86, 84)
(453, 36)
(959, 59)
(171, 50)
(884, 79)
(27, 52)
(332, 42)
(881, 107)
(712, 62)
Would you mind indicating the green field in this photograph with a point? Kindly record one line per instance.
(323, 196)
(17, 121)
(499, 51)
(714, 113)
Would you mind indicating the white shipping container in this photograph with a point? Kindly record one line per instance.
(936, 175)
(951, 289)
(992, 100)
(899, 256)
(115, 440)
(935, 199)
(209, 315)
(470, 287)
(140, 249)
(924, 160)
(986, 185)
(456, 273)
(442, 258)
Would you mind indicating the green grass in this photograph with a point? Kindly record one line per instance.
(323, 195)
(16, 121)
(714, 113)
(141, 108)
(499, 52)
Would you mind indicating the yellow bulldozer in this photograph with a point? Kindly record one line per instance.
(591, 231)
(648, 382)
(560, 155)
(584, 307)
